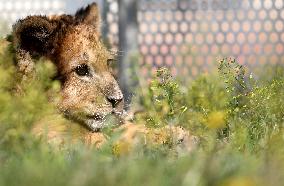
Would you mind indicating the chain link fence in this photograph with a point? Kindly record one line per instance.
(189, 36)
(12, 10)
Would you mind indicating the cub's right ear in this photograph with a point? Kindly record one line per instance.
(89, 15)
(35, 35)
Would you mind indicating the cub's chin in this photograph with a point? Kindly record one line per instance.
(99, 121)
(96, 121)
(96, 124)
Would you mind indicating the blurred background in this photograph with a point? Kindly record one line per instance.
(187, 36)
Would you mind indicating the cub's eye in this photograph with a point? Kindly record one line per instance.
(110, 62)
(82, 70)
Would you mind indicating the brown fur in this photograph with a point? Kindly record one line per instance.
(89, 91)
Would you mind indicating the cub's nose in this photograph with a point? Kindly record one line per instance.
(114, 101)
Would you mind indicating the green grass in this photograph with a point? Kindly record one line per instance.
(238, 119)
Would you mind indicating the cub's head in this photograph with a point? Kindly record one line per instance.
(89, 91)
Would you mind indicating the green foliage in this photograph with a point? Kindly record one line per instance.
(255, 108)
(238, 119)
(163, 101)
(23, 100)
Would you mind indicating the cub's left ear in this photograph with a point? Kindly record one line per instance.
(89, 15)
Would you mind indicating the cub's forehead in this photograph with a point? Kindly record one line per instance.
(81, 35)
(82, 40)
(80, 45)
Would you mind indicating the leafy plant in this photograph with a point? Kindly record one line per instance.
(163, 101)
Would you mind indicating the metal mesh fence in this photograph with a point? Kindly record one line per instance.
(188, 36)
(111, 22)
(12, 10)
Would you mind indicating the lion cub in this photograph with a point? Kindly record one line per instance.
(89, 91)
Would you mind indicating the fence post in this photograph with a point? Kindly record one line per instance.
(128, 43)
(104, 7)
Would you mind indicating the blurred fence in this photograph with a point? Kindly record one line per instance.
(188, 36)
(12, 10)
(185, 35)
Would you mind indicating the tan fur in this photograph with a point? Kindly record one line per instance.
(59, 132)
(89, 91)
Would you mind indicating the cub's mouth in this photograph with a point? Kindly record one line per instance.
(96, 122)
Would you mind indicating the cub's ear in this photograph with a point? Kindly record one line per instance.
(89, 15)
(35, 35)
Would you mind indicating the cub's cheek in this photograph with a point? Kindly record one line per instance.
(70, 99)
(119, 107)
